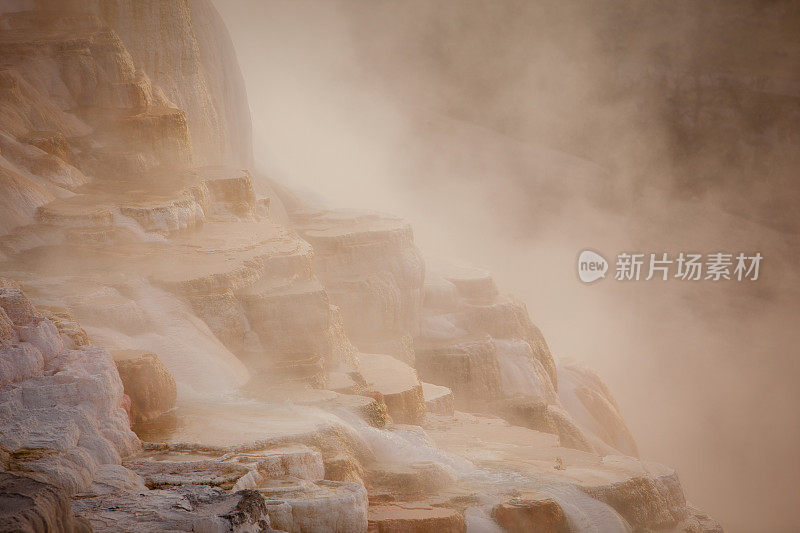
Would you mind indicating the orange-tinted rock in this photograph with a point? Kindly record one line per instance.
(469, 368)
(586, 396)
(533, 512)
(7, 333)
(650, 497)
(52, 142)
(71, 332)
(535, 413)
(17, 307)
(236, 193)
(30, 505)
(344, 467)
(148, 383)
(398, 384)
(411, 517)
(508, 318)
(415, 479)
(438, 399)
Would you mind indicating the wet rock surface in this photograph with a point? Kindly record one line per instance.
(147, 382)
(30, 505)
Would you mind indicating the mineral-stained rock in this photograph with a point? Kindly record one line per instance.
(72, 334)
(20, 199)
(371, 268)
(296, 460)
(283, 317)
(62, 424)
(160, 474)
(438, 399)
(398, 384)
(17, 307)
(468, 367)
(532, 512)
(507, 318)
(19, 362)
(306, 507)
(474, 285)
(208, 84)
(7, 333)
(521, 372)
(534, 413)
(416, 517)
(186, 508)
(413, 479)
(232, 470)
(649, 497)
(401, 348)
(344, 467)
(147, 382)
(236, 193)
(589, 401)
(702, 522)
(165, 215)
(224, 315)
(73, 212)
(30, 505)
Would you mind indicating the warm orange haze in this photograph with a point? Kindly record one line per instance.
(433, 266)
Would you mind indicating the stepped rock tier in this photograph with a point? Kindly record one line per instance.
(187, 346)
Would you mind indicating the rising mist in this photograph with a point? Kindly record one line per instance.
(515, 134)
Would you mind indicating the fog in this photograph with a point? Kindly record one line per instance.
(514, 135)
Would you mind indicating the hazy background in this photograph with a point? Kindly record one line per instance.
(513, 134)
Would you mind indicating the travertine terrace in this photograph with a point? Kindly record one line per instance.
(187, 346)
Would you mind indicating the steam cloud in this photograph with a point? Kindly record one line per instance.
(515, 134)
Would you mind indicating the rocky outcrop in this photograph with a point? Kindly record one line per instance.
(467, 367)
(60, 408)
(533, 512)
(298, 507)
(188, 508)
(397, 384)
(590, 402)
(208, 86)
(409, 481)
(534, 413)
(147, 382)
(416, 517)
(30, 505)
(438, 399)
(650, 498)
(374, 273)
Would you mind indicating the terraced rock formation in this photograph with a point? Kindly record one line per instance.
(283, 367)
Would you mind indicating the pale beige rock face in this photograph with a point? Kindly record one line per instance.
(438, 399)
(60, 409)
(208, 86)
(588, 399)
(373, 271)
(468, 367)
